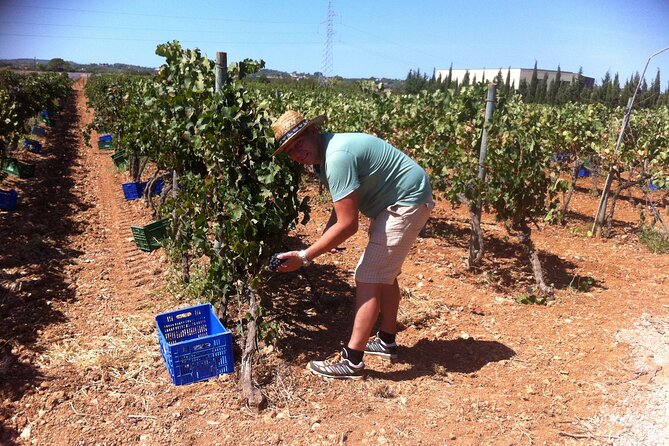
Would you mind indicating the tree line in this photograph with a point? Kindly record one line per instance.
(554, 92)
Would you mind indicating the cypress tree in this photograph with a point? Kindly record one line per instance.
(576, 87)
(602, 93)
(534, 83)
(664, 97)
(542, 90)
(643, 97)
(563, 94)
(613, 97)
(554, 87)
(655, 89)
(465, 79)
(450, 76)
(524, 89)
(415, 82)
(499, 80)
(628, 89)
(507, 83)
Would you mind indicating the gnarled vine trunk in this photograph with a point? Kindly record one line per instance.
(251, 393)
(570, 193)
(525, 237)
(476, 233)
(476, 239)
(133, 166)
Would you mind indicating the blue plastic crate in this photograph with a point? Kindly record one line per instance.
(106, 137)
(38, 131)
(132, 191)
(32, 146)
(656, 185)
(157, 187)
(8, 199)
(583, 172)
(194, 344)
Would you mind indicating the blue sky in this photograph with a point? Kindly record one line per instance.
(370, 38)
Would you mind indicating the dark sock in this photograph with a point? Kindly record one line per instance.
(355, 356)
(388, 338)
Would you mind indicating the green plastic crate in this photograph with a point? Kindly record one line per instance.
(119, 159)
(149, 237)
(44, 120)
(14, 167)
(106, 145)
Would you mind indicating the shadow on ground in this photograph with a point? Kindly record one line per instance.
(317, 308)
(34, 240)
(506, 267)
(430, 357)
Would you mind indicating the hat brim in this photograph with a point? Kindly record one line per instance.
(317, 121)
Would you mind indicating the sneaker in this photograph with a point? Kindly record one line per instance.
(339, 367)
(379, 348)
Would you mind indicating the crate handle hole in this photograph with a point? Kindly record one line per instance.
(183, 315)
(201, 346)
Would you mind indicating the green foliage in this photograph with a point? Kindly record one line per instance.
(442, 130)
(232, 191)
(519, 186)
(22, 97)
(530, 298)
(656, 241)
(415, 82)
(582, 284)
(451, 154)
(58, 64)
(235, 202)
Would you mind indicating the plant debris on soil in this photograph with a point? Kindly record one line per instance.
(80, 363)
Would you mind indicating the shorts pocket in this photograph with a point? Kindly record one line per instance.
(391, 226)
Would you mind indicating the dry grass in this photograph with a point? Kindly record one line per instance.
(123, 352)
(420, 311)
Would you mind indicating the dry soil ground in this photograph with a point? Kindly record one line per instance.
(80, 363)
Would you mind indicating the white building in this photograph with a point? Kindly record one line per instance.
(516, 75)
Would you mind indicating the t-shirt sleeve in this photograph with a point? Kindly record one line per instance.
(342, 174)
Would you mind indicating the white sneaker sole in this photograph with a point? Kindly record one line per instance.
(325, 375)
(386, 356)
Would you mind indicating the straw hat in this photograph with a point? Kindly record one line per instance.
(289, 125)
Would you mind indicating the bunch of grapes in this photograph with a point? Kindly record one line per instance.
(274, 262)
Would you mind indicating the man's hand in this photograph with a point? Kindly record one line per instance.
(346, 224)
(292, 261)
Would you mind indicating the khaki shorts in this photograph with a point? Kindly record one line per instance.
(391, 235)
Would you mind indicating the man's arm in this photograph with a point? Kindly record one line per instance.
(346, 224)
(332, 220)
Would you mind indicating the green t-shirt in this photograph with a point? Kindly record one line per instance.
(382, 174)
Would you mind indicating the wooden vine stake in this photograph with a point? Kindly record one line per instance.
(254, 398)
(476, 239)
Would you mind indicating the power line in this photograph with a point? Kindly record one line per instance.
(377, 53)
(273, 42)
(165, 16)
(130, 28)
(390, 43)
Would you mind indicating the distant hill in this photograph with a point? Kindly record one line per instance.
(63, 65)
(269, 75)
(73, 67)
